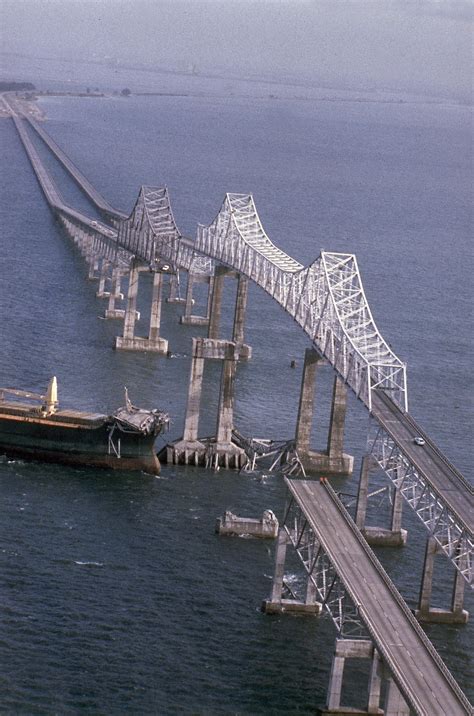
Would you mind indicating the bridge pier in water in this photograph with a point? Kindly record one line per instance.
(154, 342)
(189, 318)
(280, 602)
(334, 461)
(215, 311)
(219, 451)
(394, 536)
(427, 613)
(115, 295)
(103, 277)
(394, 703)
(174, 294)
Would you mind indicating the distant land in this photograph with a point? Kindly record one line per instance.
(10, 86)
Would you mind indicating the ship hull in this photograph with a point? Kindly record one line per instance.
(74, 438)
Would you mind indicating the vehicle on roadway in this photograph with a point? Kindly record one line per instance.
(418, 441)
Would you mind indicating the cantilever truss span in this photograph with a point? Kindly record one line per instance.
(326, 299)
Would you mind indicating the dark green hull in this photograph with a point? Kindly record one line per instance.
(76, 438)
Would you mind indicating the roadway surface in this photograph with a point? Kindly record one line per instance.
(53, 196)
(431, 464)
(424, 680)
(76, 174)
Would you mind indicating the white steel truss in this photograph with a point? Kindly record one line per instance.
(326, 299)
(455, 539)
(330, 589)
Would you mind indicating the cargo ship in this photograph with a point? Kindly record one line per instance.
(33, 427)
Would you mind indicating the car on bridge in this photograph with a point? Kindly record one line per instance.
(419, 441)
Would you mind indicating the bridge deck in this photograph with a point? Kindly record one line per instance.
(51, 192)
(421, 675)
(97, 198)
(430, 462)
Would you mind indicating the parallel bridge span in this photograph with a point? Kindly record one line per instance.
(327, 300)
(355, 589)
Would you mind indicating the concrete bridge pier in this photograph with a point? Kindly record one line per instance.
(278, 604)
(83, 241)
(394, 536)
(174, 294)
(334, 461)
(189, 318)
(93, 261)
(115, 295)
(395, 704)
(218, 451)
(154, 342)
(354, 649)
(427, 613)
(220, 272)
(103, 277)
(245, 352)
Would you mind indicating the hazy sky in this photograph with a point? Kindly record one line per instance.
(420, 45)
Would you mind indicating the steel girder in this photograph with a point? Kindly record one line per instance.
(329, 587)
(442, 523)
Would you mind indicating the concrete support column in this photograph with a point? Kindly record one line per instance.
(174, 295)
(304, 420)
(375, 684)
(155, 316)
(457, 599)
(239, 316)
(211, 452)
(210, 291)
(189, 318)
(334, 461)
(335, 683)
(361, 507)
(337, 420)
(225, 417)
(188, 309)
(173, 288)
(311, 592)
(350, 649)
(280, 557)
(154, 342)
(276, 604)
(131, 308)
(104, 275)
(395, 704)
(397, 509)
(114, 295)
(216, 302)
(395, 536)
(93, 267)
(427, 613)
(191, 422)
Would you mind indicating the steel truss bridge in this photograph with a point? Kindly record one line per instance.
(349, 582)
(326, 299)
(328, 302)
